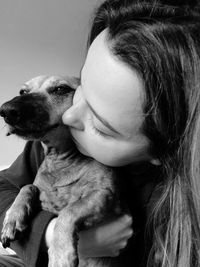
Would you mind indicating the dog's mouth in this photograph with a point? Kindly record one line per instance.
(33, 133)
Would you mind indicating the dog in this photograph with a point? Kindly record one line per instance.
(79, 190)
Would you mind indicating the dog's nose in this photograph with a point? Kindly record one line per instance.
(10, 114)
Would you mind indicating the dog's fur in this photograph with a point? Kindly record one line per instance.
(81, 191)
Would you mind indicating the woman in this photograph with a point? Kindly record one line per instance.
(144, 61)
(137, 108)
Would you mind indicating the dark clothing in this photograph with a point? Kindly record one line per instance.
(138, 188)
(22, 172)
(10, 261)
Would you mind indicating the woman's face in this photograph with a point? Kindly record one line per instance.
(106, 117)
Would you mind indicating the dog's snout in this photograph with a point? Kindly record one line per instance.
(9, 113)
(27, 114)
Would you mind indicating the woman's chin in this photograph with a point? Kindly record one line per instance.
(82, 150)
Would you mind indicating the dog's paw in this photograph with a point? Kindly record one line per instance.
(64, 259)
(14, 223)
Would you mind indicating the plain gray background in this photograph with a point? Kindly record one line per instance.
(38, 37)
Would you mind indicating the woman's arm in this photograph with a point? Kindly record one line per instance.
(104, 240)
(22, 172)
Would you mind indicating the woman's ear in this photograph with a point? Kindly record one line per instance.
(155, 162)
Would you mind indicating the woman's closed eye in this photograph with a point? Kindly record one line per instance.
(98, 131)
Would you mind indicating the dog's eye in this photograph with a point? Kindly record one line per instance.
(61, 90)
(23, 91)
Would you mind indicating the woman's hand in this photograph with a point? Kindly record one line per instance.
(48, 237)
(105, 240)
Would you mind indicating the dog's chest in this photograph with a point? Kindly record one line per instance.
(64, 181)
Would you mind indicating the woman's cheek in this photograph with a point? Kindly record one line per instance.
(104, 151)
(118, 153)
(107, 151)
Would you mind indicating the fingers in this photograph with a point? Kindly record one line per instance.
(107, 239)
(126, 220)
(124, 226)
(124, 233)
(117, 229)
(120, 223)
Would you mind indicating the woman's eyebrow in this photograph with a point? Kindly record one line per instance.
(105, 123)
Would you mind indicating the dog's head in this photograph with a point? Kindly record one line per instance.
(39, 107)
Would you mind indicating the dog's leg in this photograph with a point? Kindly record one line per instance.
(64, 249)
(18, 214)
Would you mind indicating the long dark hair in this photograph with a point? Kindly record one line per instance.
(162, 43)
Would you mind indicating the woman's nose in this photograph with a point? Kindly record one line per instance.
(74, 116)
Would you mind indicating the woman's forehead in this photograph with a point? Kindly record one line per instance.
(105, 73)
